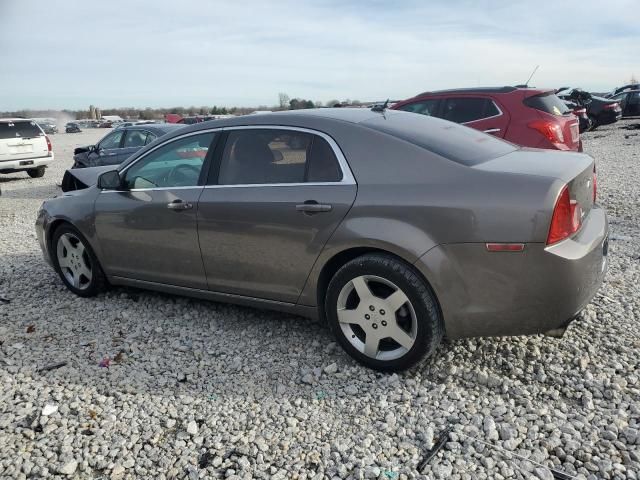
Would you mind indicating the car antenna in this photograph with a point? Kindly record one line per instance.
(526, 84)
(380, 108)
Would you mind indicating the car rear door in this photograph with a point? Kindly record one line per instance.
(148, 229)
(21, 140)
(274, 199)
(633, 104)
(481, 113)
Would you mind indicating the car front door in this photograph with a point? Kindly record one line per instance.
(276, 196)
(134, 140)
(480, 113)
(148, 229)
(107, 150)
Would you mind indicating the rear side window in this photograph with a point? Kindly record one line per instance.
(423, 107)
(19, 129)
(548, 103)
(271, 156)
(468, 109)
(323, 164)
(150, 138)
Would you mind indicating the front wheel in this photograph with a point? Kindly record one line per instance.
(383, 313)
(36, 172)
(76, 263)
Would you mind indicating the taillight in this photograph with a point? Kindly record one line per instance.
(595, 183)
(566, 218)
(580, 111)
(611, 106)
(48, 143)
(551, 130)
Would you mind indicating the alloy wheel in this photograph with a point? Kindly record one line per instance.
(74, 261)
(377, 317)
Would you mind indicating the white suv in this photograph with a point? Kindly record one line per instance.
(23, 147)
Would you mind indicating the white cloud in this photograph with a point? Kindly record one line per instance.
(163, 53)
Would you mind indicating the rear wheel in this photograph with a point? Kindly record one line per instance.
(76, 263)
(594, 123)
(383, 313)
(36, 172)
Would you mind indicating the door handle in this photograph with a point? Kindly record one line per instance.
(492, 130)
(178, 205)
(311, 206)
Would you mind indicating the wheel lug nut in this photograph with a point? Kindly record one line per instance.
(375, 325)
(381, 312)
(367, 316)
(371, 307)
(384, 324)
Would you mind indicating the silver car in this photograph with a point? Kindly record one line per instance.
(396, 228)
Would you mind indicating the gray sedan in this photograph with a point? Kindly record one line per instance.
(396, 228)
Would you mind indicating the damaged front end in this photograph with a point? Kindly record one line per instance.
(81, 178)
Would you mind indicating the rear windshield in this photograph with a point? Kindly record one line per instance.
(548, 103)
(454, 142)
(18, 129)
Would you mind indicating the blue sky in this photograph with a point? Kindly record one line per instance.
(72, 53)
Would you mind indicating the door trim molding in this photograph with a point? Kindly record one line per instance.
(302, 310)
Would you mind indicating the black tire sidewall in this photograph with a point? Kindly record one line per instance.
(429, 323)
(37, 172)
(97, 278)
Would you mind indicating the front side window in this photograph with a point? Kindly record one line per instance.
(176, 164)
(150, 138)
(463, 110)
(135, 138)
(111, 141)
(271, 156)
(424, 107)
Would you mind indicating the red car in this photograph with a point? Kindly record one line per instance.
(525, 116)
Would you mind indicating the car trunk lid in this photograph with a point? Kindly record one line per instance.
(576, 170)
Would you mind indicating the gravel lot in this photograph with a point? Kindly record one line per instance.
(204, 390)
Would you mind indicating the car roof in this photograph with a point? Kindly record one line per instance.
(154, 127)
(15, 120)
(485, 90)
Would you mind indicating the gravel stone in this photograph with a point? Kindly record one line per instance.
(208, 390)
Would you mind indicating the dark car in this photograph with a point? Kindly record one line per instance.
(629, 101)
(48, 128)
(118, 145)
(581, 113)
(396, 228)
(624, 88)
(72, 127)
(525, 116)
(601, 111)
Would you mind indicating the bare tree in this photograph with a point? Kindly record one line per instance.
(284, 100)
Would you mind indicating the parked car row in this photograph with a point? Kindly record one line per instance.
(600, 110)
(525, 116)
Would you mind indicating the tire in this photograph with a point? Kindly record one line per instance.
(36, 172)
(387, 285)
(594, 123)
(78, 267)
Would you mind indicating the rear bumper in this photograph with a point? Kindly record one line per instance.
(606, 117)
(485, 293)
(17, 165)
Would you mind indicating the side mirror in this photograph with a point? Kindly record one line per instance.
(110, 180)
